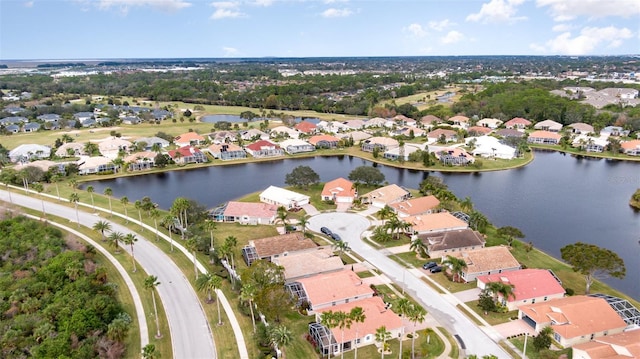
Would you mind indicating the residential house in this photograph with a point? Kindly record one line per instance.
(71, 149)
(112, 147)
(272, 247)
(95, 165)
(339, 190)
(442, 135)
(442, 244)
(248, 213)
(491, 123)
(403, 120)
(329, 341)
(548, 125)
(49, 117)
(131, 120)
(375, 122)
(454, 156)
(631, 148)
(283, 198)
(189, 139)
(13, 120)
(333, 126)
(14, 110)
(430, 121)
(616, 131)
(382, 144)
(479, 131)
(306, 127)
(187, 154)
(293, 146)
(284, 131)
(140, 161)
(544, 137)
(83, 117)
(517, 123)
(415, 206)
(226, 151)
(510, 133)
(150, 141)
(617, 346)
(29, 152)
(574, 320)
(223, 137)
(327, 290)
(435, 222)
(386, 195)
(396, 153)
(355, 124)
(529, 286)
(161, 114)
(580, 128)
(357, 136)
(304, 264)
(11, 128)
(409, 131)
(590, 144)
(460, 121)
(491, 147)
(253, 135)
(44, 165)
(485, 261)
(324, 141)
(262, 148)
(31, 127)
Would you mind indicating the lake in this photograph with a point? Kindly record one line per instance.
(555, 200)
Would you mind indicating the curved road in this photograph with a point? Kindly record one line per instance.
(190, 333)
(442, 307)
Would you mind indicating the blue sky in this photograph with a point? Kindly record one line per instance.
(89, 29)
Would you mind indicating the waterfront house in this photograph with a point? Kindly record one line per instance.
(454, 156)
(262, 149)
(386, 195)
(617, 346)
(307, 263)
(324, 141)
(491, 147)
(517, 123)
(283, 198)
(485, 261)
(544, 137)
(574, 320)
(327, 290)
(140, 161)
(590, 144)
(95, 165)
(402, 152)
(249, 213)
(226, 151)
(189, 139)
(150, 141)
(631, 148)
(435, 222)
(415, 206)
(530, 286)
(187, 154)
(339, 190)
(548, 125)
(442, 135)
(616, 131)
(272, 247)
(293, 146)
(441, 244)
(382, 144)
(113, 146)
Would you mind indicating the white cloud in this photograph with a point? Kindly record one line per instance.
(415, 30)
(264, 3)
(561, 28)
(28, 4)
(563, 10)
(124, 5)
(334, 1)
(452, 37)
(589, 39)
(497, 11)
(537, 48)
(226, 10)
(332, 12)
(230, 51)
(440, 25)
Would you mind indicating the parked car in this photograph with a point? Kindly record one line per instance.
(335, 237)
(325, 230)
(436, 269)
(429, 265)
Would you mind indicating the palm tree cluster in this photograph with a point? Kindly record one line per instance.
(343, 320)
(392, 228)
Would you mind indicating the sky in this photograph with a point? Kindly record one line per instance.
(116, 29)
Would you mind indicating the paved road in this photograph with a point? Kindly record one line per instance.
(442, 307)
(190, 333)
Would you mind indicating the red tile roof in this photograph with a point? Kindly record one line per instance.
(257, 146)
(527, 283)
(260, 210)
(437, 133)
(315, 139)
(416, 206)
(479, 129)
(517, 121)
(189, 136)
(186, 151)
(545, 134)
(617, 346)
(305, 127)
(339, 187)
(334, 287)
(291, 242)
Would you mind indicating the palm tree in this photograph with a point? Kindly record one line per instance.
(466, 204)
(329, 320)
(403, 307)
(168, 221)
(192, 245)
(39, 188)
(209, 283)
(303, 223)
(248, 294)
(456, 265)
(90, 189)
(131, 239)
(211, 226)
(151, 283)
(478, 221)
(138, 205)
(281, 337)
(341, 247)
(381, 235)
(156, 147)
(344, 321)
(500, 288)
(102, 226)
(282, 215)
(358, 316)
(416, 315)
(149, 352)
(74, 198)
(155, 214)
(418, 246)
(109, 192)
(382, 335)
(231, 242)
(125, 201)
(385, 213)
(55, 179)
(115, 238)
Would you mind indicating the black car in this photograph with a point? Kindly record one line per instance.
(335, 237)
(429, 265)
(436, 269)
(325, 230)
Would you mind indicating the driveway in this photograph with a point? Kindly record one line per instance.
(514, 327)
(468, 295)
(348, 225)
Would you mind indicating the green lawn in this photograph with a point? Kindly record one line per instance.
(533, 354)
(409, 259)
(492, 318)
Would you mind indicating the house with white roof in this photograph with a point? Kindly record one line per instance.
(29, 152)
(283, 197)
(95, 165)
(293, 146)
(111, 147)
(491, 123)
(284, 131)
(490, 147)
(548, 125)
(590, 143)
